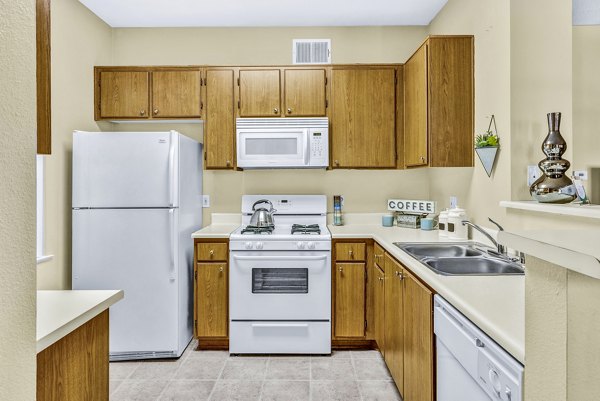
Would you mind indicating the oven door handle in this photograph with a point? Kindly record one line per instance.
(263, 258)
(280, 325)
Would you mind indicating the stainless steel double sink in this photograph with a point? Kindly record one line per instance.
(461, 259)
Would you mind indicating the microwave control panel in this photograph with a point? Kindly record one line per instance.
(319, 147)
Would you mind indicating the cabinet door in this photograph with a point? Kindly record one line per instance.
(418, 341)
(211, 300)
(260, 93)
(123, 94)
(176, 94)
(219, 126)
(363, 118)
(349, 300)
(415, 109)
(450, 74)
(394, 321)
(304, 92)
(379, 304)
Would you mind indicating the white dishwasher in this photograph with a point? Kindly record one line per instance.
(470, 365)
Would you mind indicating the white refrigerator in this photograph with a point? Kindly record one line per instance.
(137, 198)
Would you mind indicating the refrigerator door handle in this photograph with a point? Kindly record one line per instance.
(172, 244)
(171, 170)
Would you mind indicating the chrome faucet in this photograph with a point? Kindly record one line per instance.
(501, 248)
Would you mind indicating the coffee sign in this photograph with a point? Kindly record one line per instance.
(411, 206)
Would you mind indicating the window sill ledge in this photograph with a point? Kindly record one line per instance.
(569, 209)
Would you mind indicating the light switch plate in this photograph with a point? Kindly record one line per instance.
(533, 173)
(205, 200)
(580, 175)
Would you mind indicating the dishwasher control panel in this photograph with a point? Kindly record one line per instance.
(500, 381)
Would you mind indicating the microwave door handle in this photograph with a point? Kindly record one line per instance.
(307, 148)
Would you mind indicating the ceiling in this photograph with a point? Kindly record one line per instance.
(586, 12)
(238, 13)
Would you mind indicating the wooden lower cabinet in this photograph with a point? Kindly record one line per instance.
(379, 308)
(211, 294)
(75, 367)
(418, 340)
(394, 321)
(350, 286)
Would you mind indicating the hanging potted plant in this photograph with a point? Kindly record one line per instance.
(487, 145)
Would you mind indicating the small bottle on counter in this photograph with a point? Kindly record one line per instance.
(337, 210)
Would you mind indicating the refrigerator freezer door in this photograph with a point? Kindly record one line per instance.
(132, 250)
(125, 169)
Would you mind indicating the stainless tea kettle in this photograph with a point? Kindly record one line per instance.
(261, 216)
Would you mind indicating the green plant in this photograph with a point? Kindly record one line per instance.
(486, 140)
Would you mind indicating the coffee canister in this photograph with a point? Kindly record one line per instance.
(456, 230)
(443, 223)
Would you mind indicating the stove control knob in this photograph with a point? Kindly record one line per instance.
(301, 245)
(311, 245)
(259, 245)
(248, 245)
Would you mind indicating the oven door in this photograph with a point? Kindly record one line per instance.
(266, 148)
(280, 285)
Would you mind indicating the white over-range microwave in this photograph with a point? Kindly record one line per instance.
(282, 142)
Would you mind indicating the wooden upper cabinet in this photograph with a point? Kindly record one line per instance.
(176, 94)
(415, 103)
(123, 94)
(349, 316)
(304, 92)
(363, 117)
(451, 95)
(394, 321)
(219, 125)
(438, 99)
(260, 93)
(418, 341)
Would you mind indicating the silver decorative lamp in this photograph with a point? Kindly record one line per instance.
(554, 186)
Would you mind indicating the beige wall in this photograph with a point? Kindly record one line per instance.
(17, 200)
(80, 40)
(488, 20)
(586, 104)
(364, 191)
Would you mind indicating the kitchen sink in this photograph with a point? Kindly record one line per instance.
(440, 250)
(472, 266)
(466, 259)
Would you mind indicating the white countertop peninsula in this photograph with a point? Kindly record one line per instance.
(61, 312)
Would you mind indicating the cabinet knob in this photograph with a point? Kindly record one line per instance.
(155, 111)
(400, 275)
(221, 269)
(201, 105)
(380, 278)
(289, 110)
(212, 252)
(350, 253)
(228, 163)
(423, 159)
(341, 269)
(275, 110)
(142, 112)
(337, 163)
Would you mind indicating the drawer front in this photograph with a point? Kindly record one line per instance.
(212, 251)
(350, 251)
(378, 254)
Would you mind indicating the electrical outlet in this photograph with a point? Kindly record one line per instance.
(342, 200)
(453, 202)
(533, 173)
(580, 175)
(205, 200)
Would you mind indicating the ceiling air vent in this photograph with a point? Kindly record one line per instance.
(311, 51)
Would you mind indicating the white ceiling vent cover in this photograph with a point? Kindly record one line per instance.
(311, 51)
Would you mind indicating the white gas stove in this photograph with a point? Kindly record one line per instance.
(280, 279)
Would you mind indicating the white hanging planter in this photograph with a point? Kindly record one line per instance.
(487, 155)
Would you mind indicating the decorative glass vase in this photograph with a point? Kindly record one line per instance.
(553, 186)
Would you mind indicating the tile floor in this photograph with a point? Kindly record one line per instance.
(214, 375)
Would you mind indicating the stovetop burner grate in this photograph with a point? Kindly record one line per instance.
(257, 230)
(306, 229)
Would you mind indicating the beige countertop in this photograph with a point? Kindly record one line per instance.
(61, 312)
(576, 250)
(496, 304)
